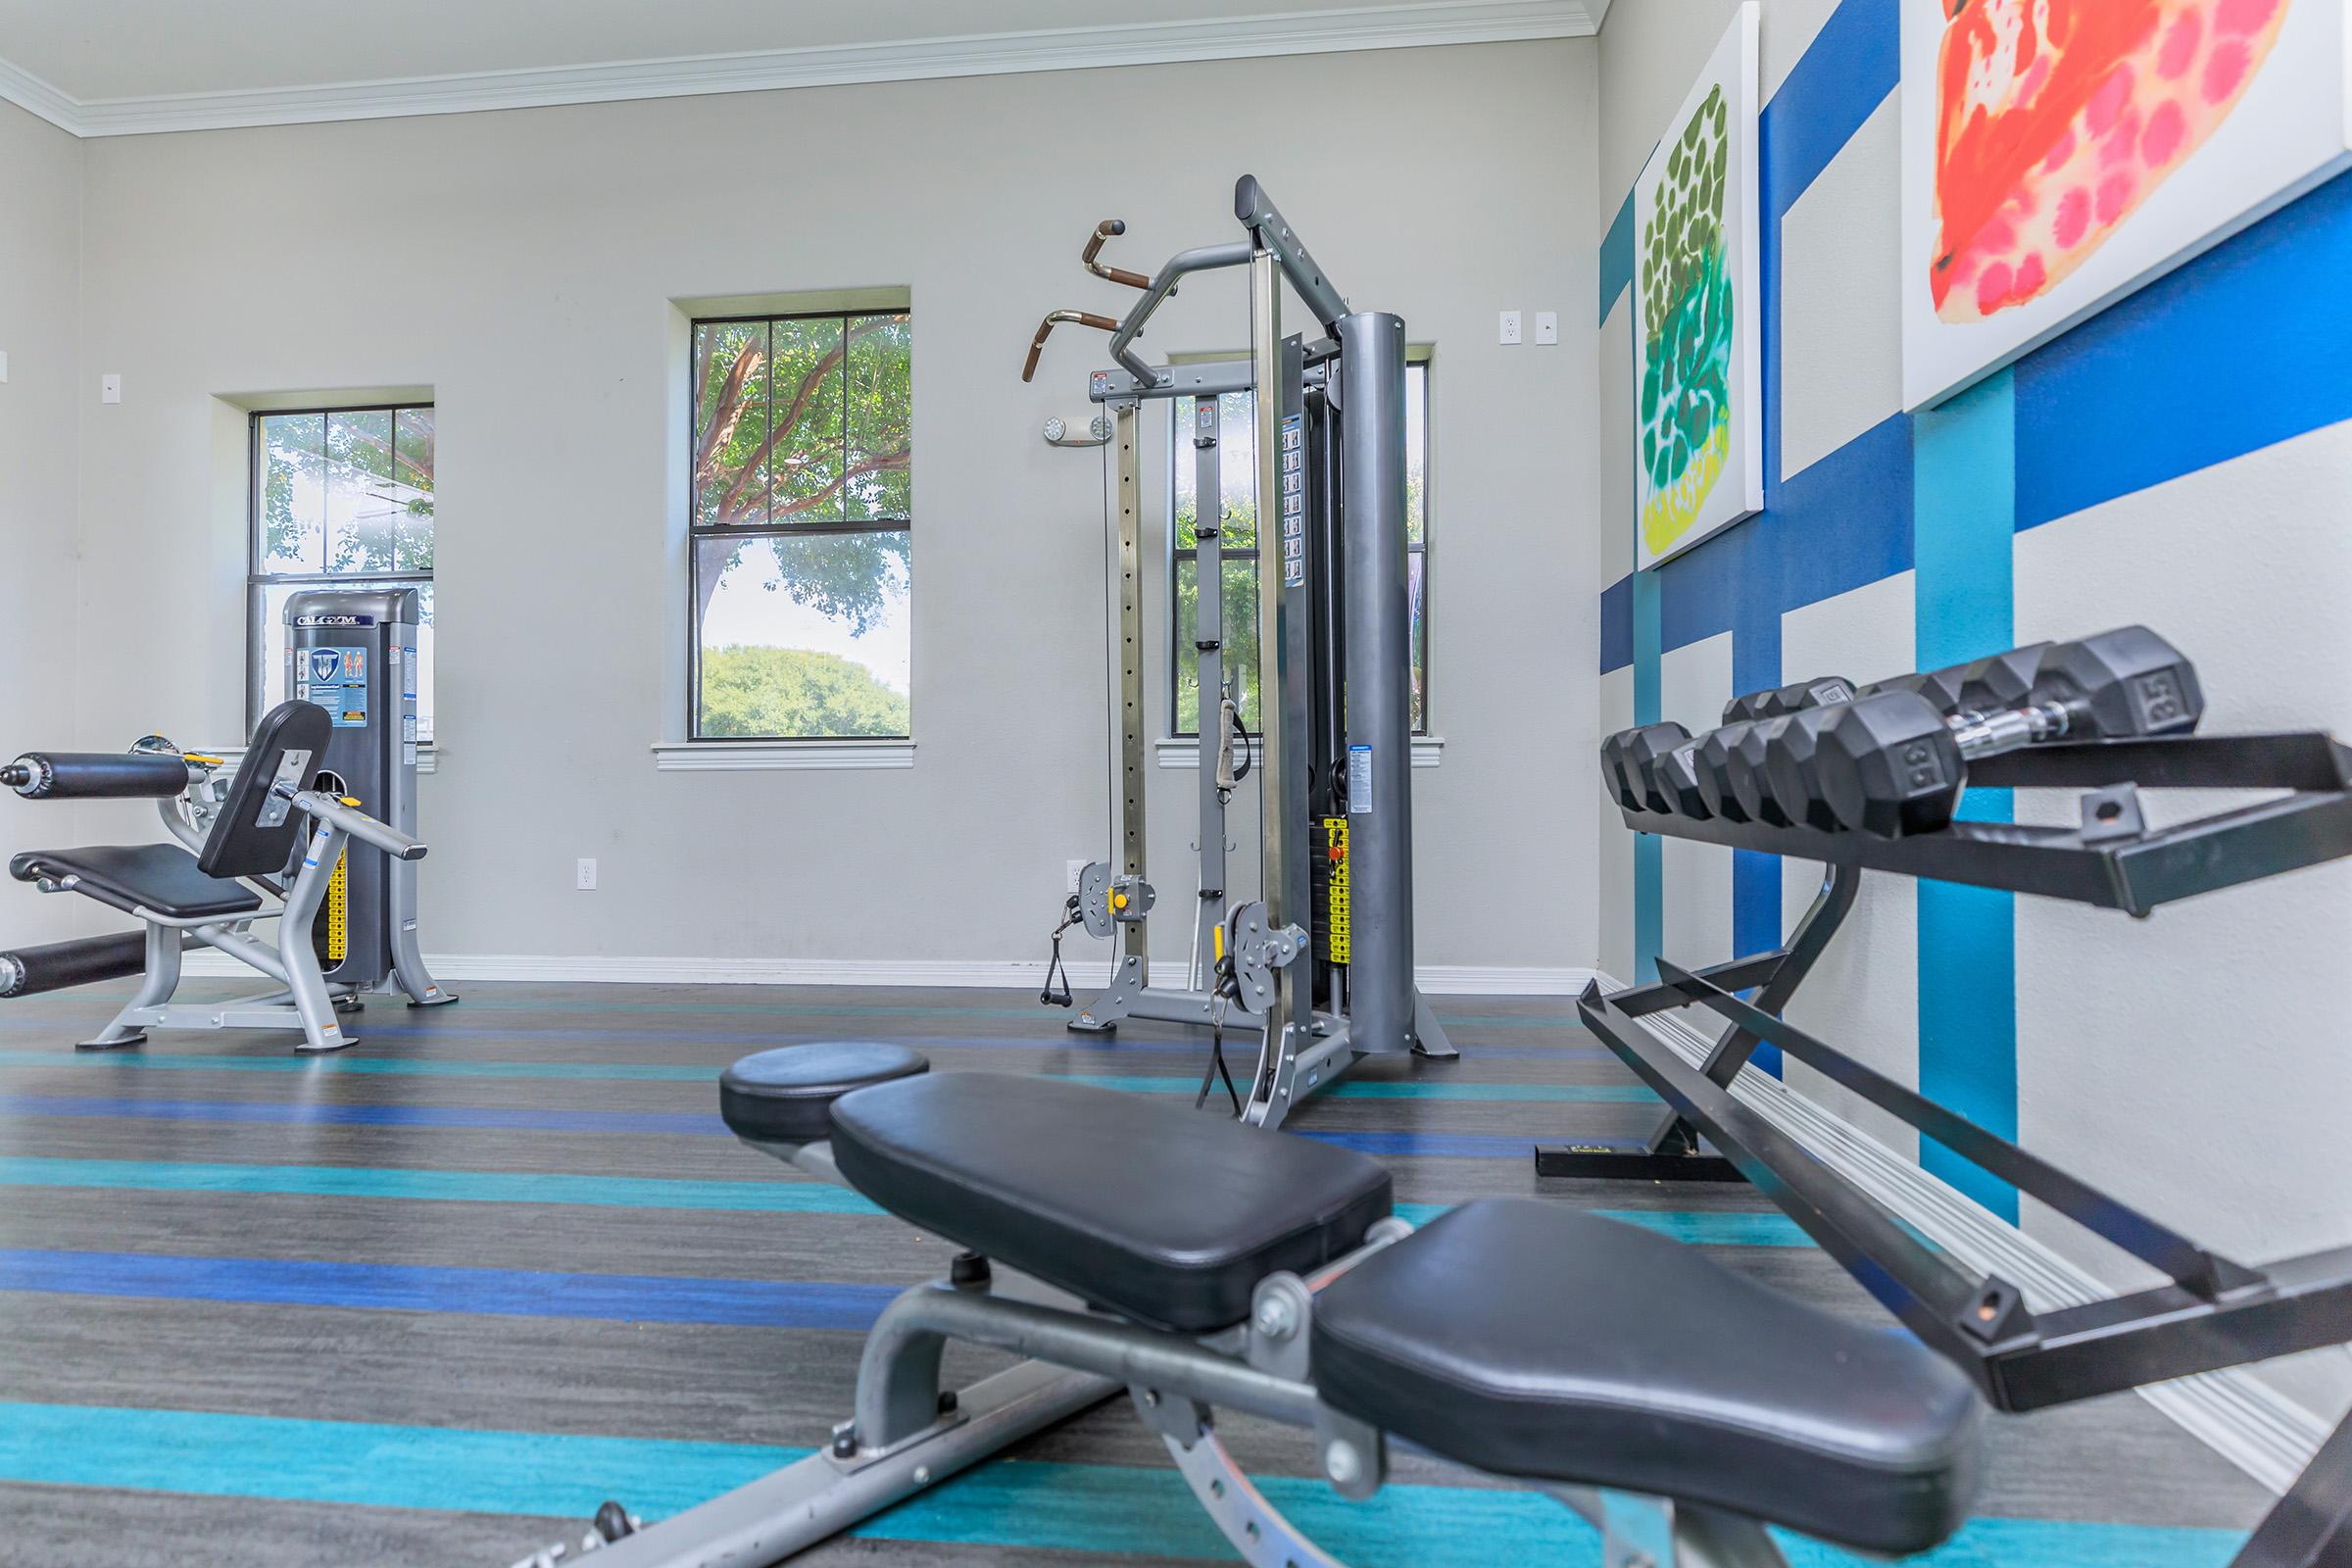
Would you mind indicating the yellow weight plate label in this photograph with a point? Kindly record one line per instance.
(1335, 918)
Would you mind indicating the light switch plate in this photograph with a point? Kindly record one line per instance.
(110, 389)
(1548, 326)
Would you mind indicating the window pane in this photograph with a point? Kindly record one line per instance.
(730, 420)
(881, 418)
(803, 637)
(1416, 453)
(1237, 469)
(362, 507)
(1239, 606)
(292, 505)
(1187, 509)
(270, 651)
(1417, 581)
(412, 489)
(804, 468)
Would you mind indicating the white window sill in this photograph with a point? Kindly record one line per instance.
(428, 756)
(763, 756)
(1183, 752)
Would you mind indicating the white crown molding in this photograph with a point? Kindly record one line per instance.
(1437, 980)
(2236, 1413)
(1424, 25)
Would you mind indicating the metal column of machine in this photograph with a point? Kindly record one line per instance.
(353, 652)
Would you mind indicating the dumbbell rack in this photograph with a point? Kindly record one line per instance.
(2212, 1312)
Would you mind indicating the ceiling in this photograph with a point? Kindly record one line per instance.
(123, 67)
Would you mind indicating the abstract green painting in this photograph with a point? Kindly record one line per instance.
(1698, 399)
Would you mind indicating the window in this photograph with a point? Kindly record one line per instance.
(802, 446)
(342, 498)
(1237, 548)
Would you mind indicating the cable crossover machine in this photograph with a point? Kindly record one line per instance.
(1320, 964)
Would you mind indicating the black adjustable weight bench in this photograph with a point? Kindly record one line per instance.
(1200, 1264)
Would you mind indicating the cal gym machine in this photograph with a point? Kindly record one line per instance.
(342, 889)
(1320, 964)
(1872, 780)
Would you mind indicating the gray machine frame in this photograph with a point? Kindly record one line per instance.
(1313, 1023)
(908, 1432)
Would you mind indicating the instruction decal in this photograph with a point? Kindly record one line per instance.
(336, 679)
(1293, 500)
(1359, 780)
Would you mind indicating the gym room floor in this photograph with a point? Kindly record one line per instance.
(432, 1300)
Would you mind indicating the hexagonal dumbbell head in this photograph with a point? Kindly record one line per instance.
(1789, 773)
(1781, 701)
(1647, 751)
(2124, 682)
(2003, 680)
(1615, 776)
(1674, 779)
(1712, 764)
(1750, 785)
(1887, 764)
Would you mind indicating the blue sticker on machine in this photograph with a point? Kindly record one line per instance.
(1359, 780)
(336, 679)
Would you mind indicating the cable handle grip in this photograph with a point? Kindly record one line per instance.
(1104, 230)
(1037, 344)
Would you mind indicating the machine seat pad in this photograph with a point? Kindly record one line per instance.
(786, 1095)
(1162, 1214)
(1533, 1340)
(163, 877)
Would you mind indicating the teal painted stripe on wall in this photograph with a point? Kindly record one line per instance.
(1617, 257)
(1964, 506)
(1042, 1507)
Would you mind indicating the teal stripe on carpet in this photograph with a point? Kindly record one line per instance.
(1040, 1507)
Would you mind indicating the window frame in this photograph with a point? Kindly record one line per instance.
(259, 582)
(1418, 357)
(697, 531)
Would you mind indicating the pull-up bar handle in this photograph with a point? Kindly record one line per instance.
(1037, 344)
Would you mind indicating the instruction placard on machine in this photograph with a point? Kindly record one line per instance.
(336, 679)
(1293, 500)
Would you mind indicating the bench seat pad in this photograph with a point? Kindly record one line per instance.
(1165, 1215)
(1533, 1340)
(163, 877)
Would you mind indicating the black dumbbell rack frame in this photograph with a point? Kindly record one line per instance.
(2212, 1312)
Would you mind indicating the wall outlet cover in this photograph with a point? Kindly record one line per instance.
(587, 876)
(1510, 328)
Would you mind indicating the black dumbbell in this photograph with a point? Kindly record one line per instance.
(1781, 701)
(1647, 770)
(1981, 686)
(1891, 763)
(1729, 765)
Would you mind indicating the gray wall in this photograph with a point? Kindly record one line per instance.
(41, 238)
(521, 264)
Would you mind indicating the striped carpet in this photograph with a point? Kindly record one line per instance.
(432, 1300)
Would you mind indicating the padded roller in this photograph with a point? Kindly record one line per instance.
(29, 971)
(95, 775)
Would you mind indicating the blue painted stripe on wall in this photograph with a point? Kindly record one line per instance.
(1617, 257)
(1617, 624)
(498, 1292)
(1852, 64)
(1037, 1505)
(2236, 350)
(1965, 595)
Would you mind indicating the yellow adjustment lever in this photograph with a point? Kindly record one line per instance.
(200, 758)
(1218, 947)
(1119, 900)
(352, 801)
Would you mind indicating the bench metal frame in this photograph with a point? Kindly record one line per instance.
(908, 1433)
(2213, 1311)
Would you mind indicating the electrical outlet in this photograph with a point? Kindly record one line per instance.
(587, 881)
(1510, 328)
(1548, 326)
(110, 389)
(1072, 870)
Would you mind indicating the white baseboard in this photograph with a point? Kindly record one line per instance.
(2240, 1417)
(1450, 980)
